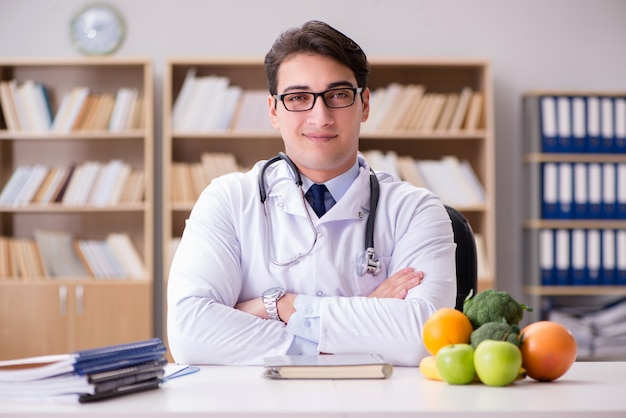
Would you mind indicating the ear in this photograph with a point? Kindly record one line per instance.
(273, 114)
(365, 111)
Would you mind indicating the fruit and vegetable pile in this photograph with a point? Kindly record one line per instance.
(484, 343)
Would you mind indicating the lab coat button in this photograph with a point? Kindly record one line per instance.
(307, 324)
(319, 293)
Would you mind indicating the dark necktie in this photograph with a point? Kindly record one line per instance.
(315, 196)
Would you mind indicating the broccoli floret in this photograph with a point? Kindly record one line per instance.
(491, 306)
(496, 331)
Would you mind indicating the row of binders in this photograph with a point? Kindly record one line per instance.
(89, 183)
(56, 254)
(85, 375)
(26, 107)
(583, 124)
(582, 257)
(583, 190)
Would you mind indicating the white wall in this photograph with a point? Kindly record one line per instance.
(533, 44)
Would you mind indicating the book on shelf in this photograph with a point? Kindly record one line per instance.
(327, 366)
(9, 110)
(474, 111)
(433, 112)
(121, 114)
(181, 104)
(58, 254)
(251, 112)
(84, 375)
(443, 124)
(461, 109)
(69, 110)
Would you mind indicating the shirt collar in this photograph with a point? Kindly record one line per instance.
(337, 186)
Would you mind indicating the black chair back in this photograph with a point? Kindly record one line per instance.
(466, 264)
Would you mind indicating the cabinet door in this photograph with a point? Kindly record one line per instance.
(34, 319)
(110, 313)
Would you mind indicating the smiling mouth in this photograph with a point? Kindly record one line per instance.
(319, 137)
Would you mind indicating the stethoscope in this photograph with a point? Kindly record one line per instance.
(366, 261)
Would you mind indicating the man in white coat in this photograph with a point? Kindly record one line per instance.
(264, 269)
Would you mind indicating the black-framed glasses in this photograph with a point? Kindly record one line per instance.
(336, 98)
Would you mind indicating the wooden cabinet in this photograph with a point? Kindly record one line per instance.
(50, 318)
(441, 76)
(567, 262)
(49, 313)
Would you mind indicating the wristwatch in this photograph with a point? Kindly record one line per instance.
(270, 297)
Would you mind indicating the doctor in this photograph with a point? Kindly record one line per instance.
(261, 270)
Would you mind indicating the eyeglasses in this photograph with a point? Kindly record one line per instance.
(302, 101)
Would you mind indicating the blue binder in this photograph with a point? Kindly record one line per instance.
(564, 124)
(593, 125)
(546, 257)
(607, 129)
(548, 118)
(549, 193)
(620, 177)
(117, 356)
(620, 124)
(620, 260)
(579, 124)
(581, 191)
(562, 257)
(594, 258)
(607, 268)
(579, 257)
(609, 190)
(594, 176)
(565, 191)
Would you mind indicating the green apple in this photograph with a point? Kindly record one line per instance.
(455, 364)
(497, 363)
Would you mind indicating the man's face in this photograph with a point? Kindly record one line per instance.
(322, 142)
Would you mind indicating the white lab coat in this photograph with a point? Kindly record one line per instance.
(223, 258)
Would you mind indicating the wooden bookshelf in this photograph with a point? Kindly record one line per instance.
(442, 76)
(56, 314)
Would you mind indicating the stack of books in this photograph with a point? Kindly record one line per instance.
(86, 375)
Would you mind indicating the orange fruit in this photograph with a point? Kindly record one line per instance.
(548, 350)
(444, 327)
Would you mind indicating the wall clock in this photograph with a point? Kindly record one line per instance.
(97, 29)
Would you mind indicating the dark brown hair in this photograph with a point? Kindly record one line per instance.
(315, 37)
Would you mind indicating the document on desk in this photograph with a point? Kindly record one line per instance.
(331, 366)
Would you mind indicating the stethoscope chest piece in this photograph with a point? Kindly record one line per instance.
(367, 263)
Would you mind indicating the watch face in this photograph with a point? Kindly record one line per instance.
(273, 293)
(97, 29)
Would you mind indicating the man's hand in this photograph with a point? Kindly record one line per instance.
(398, 284)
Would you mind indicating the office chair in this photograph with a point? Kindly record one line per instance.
(466, 264)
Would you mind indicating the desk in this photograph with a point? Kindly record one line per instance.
(588, 389)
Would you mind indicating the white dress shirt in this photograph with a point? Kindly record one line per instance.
(224, 258)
